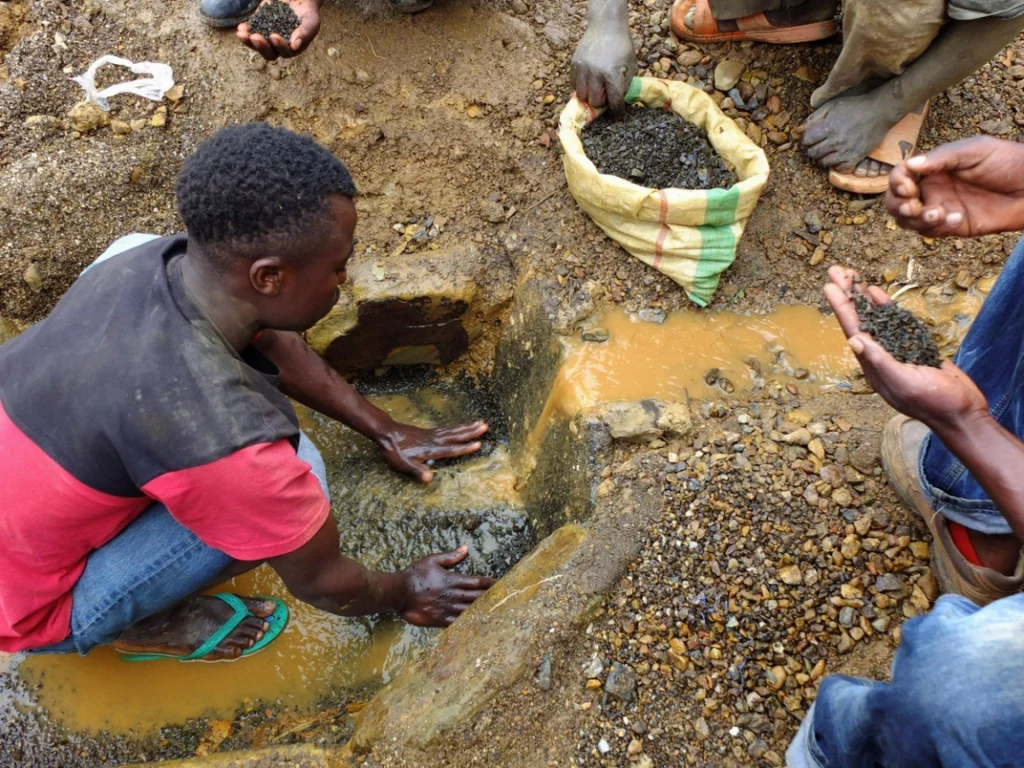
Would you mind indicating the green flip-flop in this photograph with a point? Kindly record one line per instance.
(277, 621)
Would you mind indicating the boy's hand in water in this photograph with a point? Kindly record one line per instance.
(438, 596)
(408, 448)
(968, 188)
(308, 12)
(934, 396)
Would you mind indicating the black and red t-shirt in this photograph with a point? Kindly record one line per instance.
(127, 394)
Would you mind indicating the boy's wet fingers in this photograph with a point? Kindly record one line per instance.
(462, 432)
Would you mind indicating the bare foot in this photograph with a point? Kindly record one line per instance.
(844, 130)
(180, 630)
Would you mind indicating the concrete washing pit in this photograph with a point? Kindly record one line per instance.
(583, 529)
(542, 508)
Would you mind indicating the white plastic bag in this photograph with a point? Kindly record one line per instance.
(160, 80)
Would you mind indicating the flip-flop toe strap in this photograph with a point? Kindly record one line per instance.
(229, 626)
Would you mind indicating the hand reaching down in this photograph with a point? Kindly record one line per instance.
(438, 596)
(603, 65)
(408, 448)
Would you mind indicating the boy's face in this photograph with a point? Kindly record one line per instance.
(311, 286)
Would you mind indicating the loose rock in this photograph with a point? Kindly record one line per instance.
(86, 116)
(790, 575)
(728, 73)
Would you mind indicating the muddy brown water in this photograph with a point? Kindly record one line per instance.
(387, 520)
(672, 360)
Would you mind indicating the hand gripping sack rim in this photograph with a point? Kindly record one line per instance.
(689, 235)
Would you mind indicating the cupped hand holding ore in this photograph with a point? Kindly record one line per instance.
(935, 396)
(274, 46)
(968, 188)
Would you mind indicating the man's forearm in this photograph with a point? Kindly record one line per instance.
(357, 591)
(306, 377)
(318, 574)
(995, 457)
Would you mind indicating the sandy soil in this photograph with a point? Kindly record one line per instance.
(440, 113)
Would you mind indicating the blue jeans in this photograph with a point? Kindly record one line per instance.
(993, 356)
(154, 563)
(957, 693)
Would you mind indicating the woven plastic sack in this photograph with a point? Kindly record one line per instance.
(689, 235)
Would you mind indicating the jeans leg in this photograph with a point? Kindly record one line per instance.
(307, 452)
(992, 355)
(154, 563)
(953, 700)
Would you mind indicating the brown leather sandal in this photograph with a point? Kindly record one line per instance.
(756, 27)
(899, 144)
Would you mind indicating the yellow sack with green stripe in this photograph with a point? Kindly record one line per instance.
(688, 234)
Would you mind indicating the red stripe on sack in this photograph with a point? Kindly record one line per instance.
(659, 244)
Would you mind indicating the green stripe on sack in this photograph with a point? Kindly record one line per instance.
(717, 243)
(721, 206)
(717, 253)
(635, 86)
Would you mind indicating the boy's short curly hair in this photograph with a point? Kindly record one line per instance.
(251, 181)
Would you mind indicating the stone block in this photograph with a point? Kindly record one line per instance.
(489, 648)
(420, 308)
(646, 420)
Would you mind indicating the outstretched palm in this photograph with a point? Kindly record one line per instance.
(931, 395)
(276, 46)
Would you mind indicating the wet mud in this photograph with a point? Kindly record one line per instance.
(901, 333)
(274, 18)
(655, 148)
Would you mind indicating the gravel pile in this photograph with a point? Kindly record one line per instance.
(900, 333)
(274, 18)
(655, 148)
(774, 560)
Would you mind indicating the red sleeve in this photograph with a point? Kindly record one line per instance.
(259, 502)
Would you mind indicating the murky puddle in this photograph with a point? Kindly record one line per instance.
(386, 520)
(699, 355)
